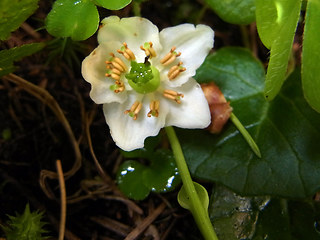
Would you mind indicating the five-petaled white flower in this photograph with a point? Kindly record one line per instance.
(144, 80)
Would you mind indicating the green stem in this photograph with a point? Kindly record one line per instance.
(245, 134)
(198, 211)
(136, 8)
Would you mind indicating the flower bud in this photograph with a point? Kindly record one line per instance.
(219, 107)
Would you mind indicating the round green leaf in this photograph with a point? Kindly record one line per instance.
(286, 130)
(113, 4)
(147, 151)
(184, 199)
(162, 175)
(78, 19)
(130, 181)
(136, 180)
(311, 56)
(234, 11)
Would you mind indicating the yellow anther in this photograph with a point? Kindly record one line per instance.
(170, 57)
(113, 72)
(116, 71)
(117, 87)
(117, 63)
(154, 109)
(175, 71)
(173, 95)
(147, 47)
(120, 87)
(126, 52)
(134, 110)
(115, 76)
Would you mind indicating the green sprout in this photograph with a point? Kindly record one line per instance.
(27, 226)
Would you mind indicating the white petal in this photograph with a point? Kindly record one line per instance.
(127, 133)
(135, 31)
(94, 70)
(194, 43)
(193, 112)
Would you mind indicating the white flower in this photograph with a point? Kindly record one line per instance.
(144, 80)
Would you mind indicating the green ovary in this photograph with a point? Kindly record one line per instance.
(143, 77)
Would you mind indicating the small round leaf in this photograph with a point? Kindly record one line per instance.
(162, 175)
(113, 4)
(130, 182)
(234, 11)
(78, 19)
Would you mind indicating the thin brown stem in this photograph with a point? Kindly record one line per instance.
(63, 200)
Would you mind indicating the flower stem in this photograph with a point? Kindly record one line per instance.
(198, 211)
(136, 5)
(245, 134)
(245, 37)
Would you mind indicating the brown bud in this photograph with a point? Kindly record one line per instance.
(219, 107)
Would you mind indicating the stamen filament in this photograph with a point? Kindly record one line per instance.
(173, 95)
(175, 71)
(154, 109)
(113, 70)
(117, 63)
(117, 87)
(116, 71)
(115, 76)
(134, 110)
(150, 52)
(126, 52)
(170, 57)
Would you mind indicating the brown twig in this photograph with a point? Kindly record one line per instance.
(26, 27)
(113, 225)
(146, 222)
(106, 178)
(63, 200)
(45, 97)
(130, 204)
(253, 37)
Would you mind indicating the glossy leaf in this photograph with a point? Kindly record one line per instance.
(311, 55)
(276, 23)
(147, 151)
(271, 18)
(234, 217)
(7, 57)
(113, 4)
(130, 180)
(184, 199)
(136, 180)
(13, 13)
(78, 19)
(235, 70)
(234, 11)
(257, 218)
(286, 130)
(162, 175)
(287, 220)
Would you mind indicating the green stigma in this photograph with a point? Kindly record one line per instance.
(143, 77)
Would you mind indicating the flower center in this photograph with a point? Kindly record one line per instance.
(143, 77)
